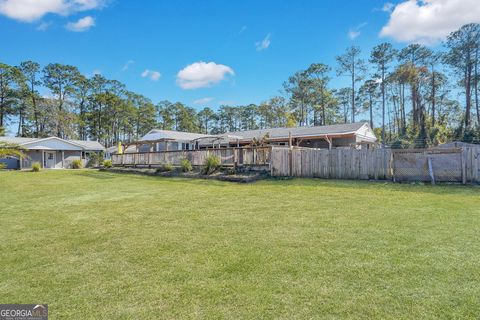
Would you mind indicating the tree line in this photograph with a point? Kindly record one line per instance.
(416, 95)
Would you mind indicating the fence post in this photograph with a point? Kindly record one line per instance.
(290, 164)
(235, 158)
(393, 166)
(430, 169)
(464, 163)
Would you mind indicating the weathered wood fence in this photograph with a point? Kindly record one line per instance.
(228, 157)
(331, 164)
(428, 165)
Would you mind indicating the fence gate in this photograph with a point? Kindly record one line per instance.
(437, 165)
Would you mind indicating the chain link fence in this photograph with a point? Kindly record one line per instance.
(433, 165)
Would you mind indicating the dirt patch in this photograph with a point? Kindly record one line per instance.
(223, 175)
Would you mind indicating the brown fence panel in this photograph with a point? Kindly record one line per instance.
(335, 163)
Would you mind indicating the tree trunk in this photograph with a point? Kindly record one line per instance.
(34, 106)
(476, 87)
(353, 92)
(402, 104)
(433, 97)
(468, 101)
(382, 86)
(370, 106)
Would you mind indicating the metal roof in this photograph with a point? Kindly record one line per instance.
(277, 133)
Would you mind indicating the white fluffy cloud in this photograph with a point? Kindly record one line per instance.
(31, 10)
(203, 100)
(202, 74)
(81, 25)
(264, 44)
(429, 21)
(151, 74)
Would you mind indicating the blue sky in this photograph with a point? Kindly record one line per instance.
(253, 45)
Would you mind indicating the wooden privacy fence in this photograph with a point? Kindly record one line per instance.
(228, 157)
(429, 165)
(331, 164)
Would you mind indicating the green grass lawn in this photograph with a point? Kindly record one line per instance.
(97, 245)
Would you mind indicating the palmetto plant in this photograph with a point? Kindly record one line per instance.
(11, 150)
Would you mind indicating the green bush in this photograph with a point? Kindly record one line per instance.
(2, 165)
(186, 165)
(77, 164)
(36, 167)
(212, 164)
(95, 159)
(107, 163)
(165, 167)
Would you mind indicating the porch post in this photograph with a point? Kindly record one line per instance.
(63, 159)
(43, 158)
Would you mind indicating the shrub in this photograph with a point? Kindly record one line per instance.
(107, 163)
(186, 165)
(2, 165)
(95, 159)
(77, 164)
(212, 164)
(36, 167)
(165, 167)
(401, 144)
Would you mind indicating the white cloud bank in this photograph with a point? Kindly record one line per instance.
(151, 74)
(202, 74)
(429, 21)
(81, 25)
(264, 44)
(31, 10)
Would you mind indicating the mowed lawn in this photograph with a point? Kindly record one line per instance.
(96, 245)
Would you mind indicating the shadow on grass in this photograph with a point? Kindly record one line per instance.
(472, 190)
(95, 174)
(389, 186)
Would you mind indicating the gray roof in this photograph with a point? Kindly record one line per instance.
(276, 133)
(86, 145)
(89, 145)
(157, 134)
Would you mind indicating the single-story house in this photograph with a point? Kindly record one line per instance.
(51, 152)
(168, 140)
(349, 135)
